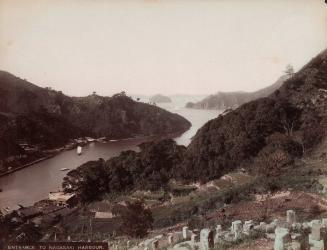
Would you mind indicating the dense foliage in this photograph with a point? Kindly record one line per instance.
(288, 123)
(136, 219)
(232, 140)
(264, 136)
(149, 169)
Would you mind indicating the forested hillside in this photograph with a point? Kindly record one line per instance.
(45, 117)
(264, 136)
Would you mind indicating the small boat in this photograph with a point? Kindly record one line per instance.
(79, 150)
(64, 169)
(102, 139)
(89, 139)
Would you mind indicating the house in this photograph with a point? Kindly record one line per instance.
(103, 215)
(105, 210)
(62, 199)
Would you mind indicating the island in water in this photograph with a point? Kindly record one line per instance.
(160, 99)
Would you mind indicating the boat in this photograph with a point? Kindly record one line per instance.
(79, 150)
(64, 169)
(101, 139)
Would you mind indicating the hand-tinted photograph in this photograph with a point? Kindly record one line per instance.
(163, 124)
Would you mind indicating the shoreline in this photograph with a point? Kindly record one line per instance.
(29, 164)
(62, 149)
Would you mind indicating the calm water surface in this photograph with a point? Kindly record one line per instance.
(33, 183)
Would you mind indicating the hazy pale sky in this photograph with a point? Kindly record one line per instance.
(147, 47)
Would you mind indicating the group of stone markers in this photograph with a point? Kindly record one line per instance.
(287, 235)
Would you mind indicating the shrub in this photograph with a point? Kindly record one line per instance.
(136, 219)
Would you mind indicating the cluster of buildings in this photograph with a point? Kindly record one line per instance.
(56, 202)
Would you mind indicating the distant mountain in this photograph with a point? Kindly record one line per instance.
(225, 100)
(160, 99)
(49, 118)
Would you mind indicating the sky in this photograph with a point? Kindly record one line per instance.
(152, 46)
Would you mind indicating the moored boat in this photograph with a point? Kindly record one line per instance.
(79, 150)
(64, 169)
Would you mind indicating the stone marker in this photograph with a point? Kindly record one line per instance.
(315, 230)
(237, 229)
(282, 238)
(236, 225)
(218, 229)
(290, 217)
(170, 239)
(315, 238)
(324, 222)
(185, 233)
(314, 222)
(206, 239)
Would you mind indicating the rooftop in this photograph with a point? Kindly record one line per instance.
(60, 196)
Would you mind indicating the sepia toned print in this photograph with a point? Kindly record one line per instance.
(148, 124)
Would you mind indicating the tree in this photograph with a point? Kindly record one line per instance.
(136, 219)
(270, 161)
(88, 181)
(289, 70)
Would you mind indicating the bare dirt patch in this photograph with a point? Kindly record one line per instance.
(307, 205)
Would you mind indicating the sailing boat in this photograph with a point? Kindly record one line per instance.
(79, 150)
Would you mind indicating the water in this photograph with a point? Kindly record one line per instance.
(33, 183)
